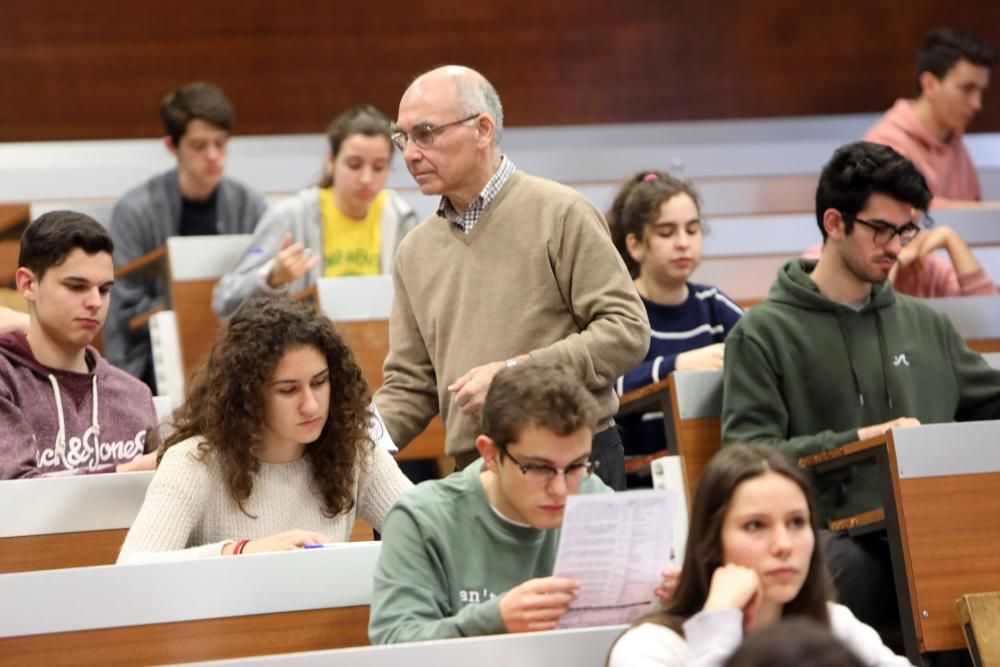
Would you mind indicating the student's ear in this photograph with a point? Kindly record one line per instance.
(27, 283)
(833, 223)
(928, 83)
(169, 143)
(489, 451)
(636, 248)
(486, 128)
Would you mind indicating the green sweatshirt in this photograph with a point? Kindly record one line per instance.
(805, 373)
(447, 558)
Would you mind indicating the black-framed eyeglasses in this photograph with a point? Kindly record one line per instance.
(423, 134)
(884, 231)
(541, 474)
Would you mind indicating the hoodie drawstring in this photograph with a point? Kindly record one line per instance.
(885, 358)
(61, 435)
(850, 357)
(883, 354)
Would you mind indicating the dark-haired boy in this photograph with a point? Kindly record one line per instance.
(193, 199)
(834, 355)
(63, 408)
(472, 554)
(953, 72)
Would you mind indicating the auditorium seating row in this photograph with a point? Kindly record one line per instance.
(741, 167)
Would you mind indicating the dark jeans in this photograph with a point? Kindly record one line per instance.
(606, 448)
(608, 452)
(861, 569)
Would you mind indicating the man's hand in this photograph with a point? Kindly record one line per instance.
(879, 429)
(537, 604)
(291, 263)
(708, 358)
(287, 541)
(736, 587)
(469, 391)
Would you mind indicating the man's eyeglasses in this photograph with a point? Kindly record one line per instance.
(884, 231)
(423, 134)
(542, 475)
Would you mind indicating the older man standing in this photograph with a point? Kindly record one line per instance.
(513, 269)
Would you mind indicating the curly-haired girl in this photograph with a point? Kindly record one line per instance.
(271, 450)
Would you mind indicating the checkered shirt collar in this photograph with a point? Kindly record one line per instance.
(478, 205)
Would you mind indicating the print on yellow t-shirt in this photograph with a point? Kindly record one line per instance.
(351, 247)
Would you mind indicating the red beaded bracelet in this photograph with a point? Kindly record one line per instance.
(238, 549)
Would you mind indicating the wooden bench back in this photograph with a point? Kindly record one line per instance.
(189, 610)
(980, 616)
(948, 492)
(360, 308)
(696, 402)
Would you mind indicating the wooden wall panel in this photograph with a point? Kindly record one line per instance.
(71, 70)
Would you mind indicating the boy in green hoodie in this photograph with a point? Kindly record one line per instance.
(472, 554)
(833, 355)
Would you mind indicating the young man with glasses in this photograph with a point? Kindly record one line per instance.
(513, 269)
(834, 355)
(472, 554)
(953, 72)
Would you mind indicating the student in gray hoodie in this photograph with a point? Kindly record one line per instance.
(63, 408)
(195, 199)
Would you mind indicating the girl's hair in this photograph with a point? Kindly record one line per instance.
(226, 405)
(637, 205)
(362, 119)
(728, 469)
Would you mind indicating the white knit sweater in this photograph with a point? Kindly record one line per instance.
(188, 512)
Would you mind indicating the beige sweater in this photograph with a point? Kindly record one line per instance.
(188, 512)
(538, 275)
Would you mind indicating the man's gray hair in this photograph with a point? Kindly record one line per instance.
(477, 95)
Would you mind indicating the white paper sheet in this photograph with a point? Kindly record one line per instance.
(616, 545)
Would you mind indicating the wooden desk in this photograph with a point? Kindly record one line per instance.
(14, 217)
(63, 522)
(940, 487)
(691, 402)
(10, 250)
(195, 264)
(206, 609)
(79, 521)
(587, 647)
(360, 308)
(192, 265)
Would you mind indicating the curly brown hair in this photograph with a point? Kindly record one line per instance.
(226, 403)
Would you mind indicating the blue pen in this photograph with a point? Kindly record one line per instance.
(313, 546)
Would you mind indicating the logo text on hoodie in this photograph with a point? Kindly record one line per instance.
(89, 452)
(900, 360)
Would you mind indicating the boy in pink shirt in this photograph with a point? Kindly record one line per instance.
(953, 71)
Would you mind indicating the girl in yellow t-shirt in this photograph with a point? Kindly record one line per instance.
(346, 225)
